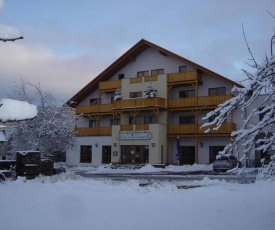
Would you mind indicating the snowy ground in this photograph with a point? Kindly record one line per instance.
(69, 202)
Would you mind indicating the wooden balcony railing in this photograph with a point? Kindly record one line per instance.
(150, 78)
(109, 85)
(139, 102)
(213, 100)
(94, 131)
(126, 127)
(87, 109)
(136, 80)
(142, 127)
(182, 77)
(226, 128)
(201, 101)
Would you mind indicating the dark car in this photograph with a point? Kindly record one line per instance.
(225, 162)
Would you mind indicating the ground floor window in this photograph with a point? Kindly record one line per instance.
(187, 155)
(213, 152)
(85, 154)
(135, 154)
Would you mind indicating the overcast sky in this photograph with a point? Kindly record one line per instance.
(69, 42)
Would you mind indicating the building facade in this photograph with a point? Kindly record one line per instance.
(135, 129)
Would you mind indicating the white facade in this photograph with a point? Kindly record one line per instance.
(137, 130)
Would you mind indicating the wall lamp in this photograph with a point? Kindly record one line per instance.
(201, 144)
(96, 145)
(153, 144)
(114, 144)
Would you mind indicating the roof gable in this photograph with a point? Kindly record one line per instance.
(131, 55)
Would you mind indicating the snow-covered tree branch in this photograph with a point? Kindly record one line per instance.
(257, 104)
(52, 131)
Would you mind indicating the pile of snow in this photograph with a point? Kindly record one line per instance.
(72, 203)
(9, 32)
(12, 110)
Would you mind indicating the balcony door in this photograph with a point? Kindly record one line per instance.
(106, 154)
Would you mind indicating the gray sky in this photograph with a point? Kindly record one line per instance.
(69, 42)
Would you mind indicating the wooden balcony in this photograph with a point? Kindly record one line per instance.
(213, 100)
(94, 131)
(137, 127)
(201, 101)
(139, 102)
(135, 80)
(109, 85)
(150, 78)
(183, 77)
(89, 109)
(192, 129)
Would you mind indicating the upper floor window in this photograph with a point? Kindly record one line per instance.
(116, 121)
(182, 69)
(143, 73)
(136, 94)
(187, 119)
(157, 72)
(121, 76)
(93, 101)
(150, 120)
(186, 93)
(92, 123)
(217, 91)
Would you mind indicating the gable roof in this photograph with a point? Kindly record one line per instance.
(129, 56)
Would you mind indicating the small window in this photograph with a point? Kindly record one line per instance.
(92, 123)
(150, 120)
(143, 73)
(115, 122)
(121, 76)
(136, 94)
(217, 91)
(85, 154)
(157, 72)
(187, 120)
(131, 120)
(93, 101)
(186, 93)
(182, 69)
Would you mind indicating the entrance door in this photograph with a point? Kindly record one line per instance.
(187, 155)
(106, 154)
(135, 154)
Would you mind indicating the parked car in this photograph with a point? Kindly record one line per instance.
(225, 162)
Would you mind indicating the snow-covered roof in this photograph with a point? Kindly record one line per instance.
(2, 136)
(14, 110)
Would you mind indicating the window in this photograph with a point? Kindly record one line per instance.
(157, 72)
(93, 101)
(116, 121)
(136, 94)
(182, 69)
(143, 73)
(131, 120)
(186, 93)
(92, 123)
(213, 152)
(216, 91)
(187, 120)
(121, 76)
(112, 100)
(85, 154)
(150, 120)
